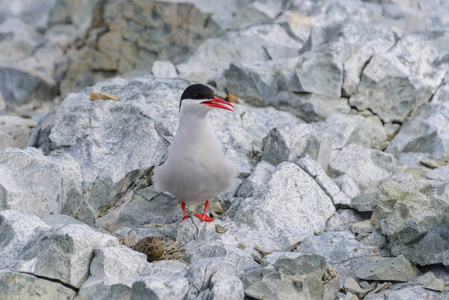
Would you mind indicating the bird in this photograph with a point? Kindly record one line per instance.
(196, 168)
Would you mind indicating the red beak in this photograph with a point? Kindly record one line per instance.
(217, 102)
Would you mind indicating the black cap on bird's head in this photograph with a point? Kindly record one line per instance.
(204, 94)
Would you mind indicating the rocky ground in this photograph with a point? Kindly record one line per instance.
(341, 136)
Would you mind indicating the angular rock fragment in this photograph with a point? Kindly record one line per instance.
(291, 277)
(15, 131)
(389, 269)
(392, 87)
(62, 253)
(367, 167)
(290, 141)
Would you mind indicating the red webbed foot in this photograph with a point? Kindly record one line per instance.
(204, 217)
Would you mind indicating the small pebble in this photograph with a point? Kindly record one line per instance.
(220, 229)
(241, 246)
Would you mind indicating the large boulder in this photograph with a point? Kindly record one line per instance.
(400, 80)
(34, 183)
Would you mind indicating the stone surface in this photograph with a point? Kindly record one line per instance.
(113, 269)
(15, 131)
(425, 132)
(341, 250)
(172, 286)
(411, 214)
(342, 220)
(288, 142)
(286, 204)
(347, 185)
(214, 278)
(256, 43)
(291, 277)
(18, 230)
(389, 269)
(364, 202)
(164, 69)
(367, 167)
(34, 183)
(329, 187)
(386, 72)
(348, 129)
(62, 253)
(16, 286)
(430, 282)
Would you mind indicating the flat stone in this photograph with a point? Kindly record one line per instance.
(364, 202)
(16, 286)
(389, 269)
(431, 282)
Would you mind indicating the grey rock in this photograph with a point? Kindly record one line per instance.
(15, 131)
(430, 282)
(342, 220)
(34, 183)
(18, 230)
(406, 293)
(63, 253)
(341, 250)
(389, 269)
(364, 202)
(59, 219)
(216, 277)
(252, 13)
(164, 69)
(347, 129)
(362, 228)
(16, 286)
(26, 57)
(394, 74)
(352, 286)
(367, 167)
(303, 16)
(290, 141)
(353, 43)
(113, 269)
(441, 173)
(279, 279)
(289, 191)
(160, 287)
(347, 185)
(411, 215)
(329, 187)
(256, 43)
(319, 73)
(336, 247)
(425, 132)
(203, 241)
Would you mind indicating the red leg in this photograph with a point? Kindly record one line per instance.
(183, 206)
(205, 217)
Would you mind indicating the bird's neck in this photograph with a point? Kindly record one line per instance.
(194, 125)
